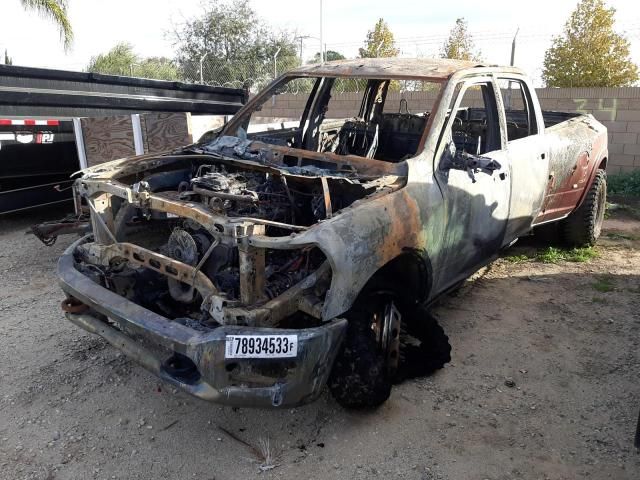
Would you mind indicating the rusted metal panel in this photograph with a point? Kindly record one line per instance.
(576, 148)
(252, 273)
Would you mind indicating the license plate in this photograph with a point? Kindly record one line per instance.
(261, 346)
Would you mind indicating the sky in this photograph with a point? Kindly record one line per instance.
(420, 27)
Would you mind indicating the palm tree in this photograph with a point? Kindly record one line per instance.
(55, 10)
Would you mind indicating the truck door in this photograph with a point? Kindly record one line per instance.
(476, 199)
(528, 156)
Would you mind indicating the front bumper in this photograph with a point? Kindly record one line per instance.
(155, 342)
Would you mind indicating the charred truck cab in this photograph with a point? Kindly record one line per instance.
(275, 256)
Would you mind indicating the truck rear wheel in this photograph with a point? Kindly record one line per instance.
(387, 341)
(582, 228)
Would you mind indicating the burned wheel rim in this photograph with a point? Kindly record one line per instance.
(386, 325)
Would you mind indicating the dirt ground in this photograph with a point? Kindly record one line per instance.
(544, 384)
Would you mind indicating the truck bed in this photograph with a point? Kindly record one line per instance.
(551, 118)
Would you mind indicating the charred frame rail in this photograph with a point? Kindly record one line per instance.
(245, 233)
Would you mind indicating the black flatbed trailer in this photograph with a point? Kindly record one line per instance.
(37, 141)
(37, 158)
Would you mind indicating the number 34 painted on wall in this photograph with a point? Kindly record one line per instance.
(581, 104)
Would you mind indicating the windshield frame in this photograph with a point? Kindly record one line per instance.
(245, 113)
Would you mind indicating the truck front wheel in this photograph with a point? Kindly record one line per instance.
(387, 340)
(582, 228)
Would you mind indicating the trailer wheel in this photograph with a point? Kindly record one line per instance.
(582, 228)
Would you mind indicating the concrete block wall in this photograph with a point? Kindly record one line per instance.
(617, 108)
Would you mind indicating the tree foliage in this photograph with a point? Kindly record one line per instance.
(589, 53)
(460, 45)
(330, 56)
(379, 42)
(56, 11)
(122, 60)
(7, 58)
(239, 47)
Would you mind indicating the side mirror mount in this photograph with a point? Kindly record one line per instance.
(472, 164)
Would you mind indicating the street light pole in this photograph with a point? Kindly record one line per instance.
(513, 47)
(513, 58)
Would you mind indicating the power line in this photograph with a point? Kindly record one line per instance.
(630, 31)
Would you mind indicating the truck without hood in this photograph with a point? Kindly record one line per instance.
(275, 256)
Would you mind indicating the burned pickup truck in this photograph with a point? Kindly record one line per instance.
(281, 254)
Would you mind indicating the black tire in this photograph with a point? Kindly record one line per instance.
(360, 378)
(432, 352)
(582, 228)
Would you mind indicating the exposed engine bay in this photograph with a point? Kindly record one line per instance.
(182, 242)
(269, 197)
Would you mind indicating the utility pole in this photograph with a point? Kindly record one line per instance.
(302, 38)
(321, 33)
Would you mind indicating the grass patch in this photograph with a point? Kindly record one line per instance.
(624, 183)
(556, 255)
(604, 285)
(517, 258)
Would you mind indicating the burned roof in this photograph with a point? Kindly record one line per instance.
(424, 68)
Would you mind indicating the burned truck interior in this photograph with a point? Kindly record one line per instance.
(377, 130)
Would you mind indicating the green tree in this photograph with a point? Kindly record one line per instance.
(589, 53)
(239, 47)
(7, 58)
(330, 56)
(379, 42)
(117, 61)
(122, 60)
(459, 45)
(159, 68)
(56, 11)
